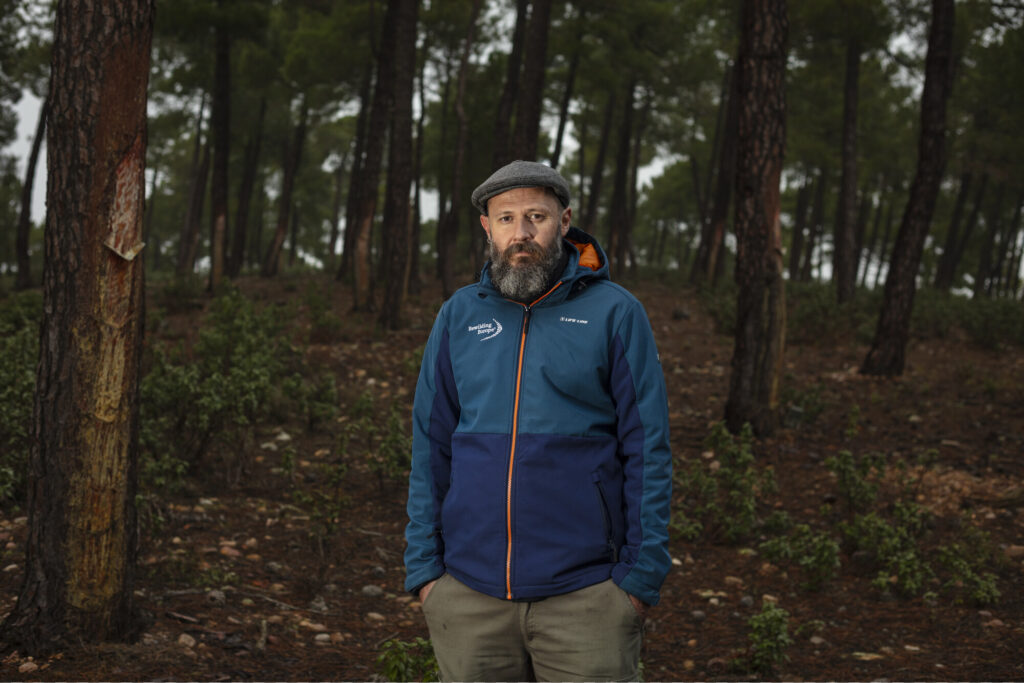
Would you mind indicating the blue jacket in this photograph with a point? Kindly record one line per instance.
(541, 459)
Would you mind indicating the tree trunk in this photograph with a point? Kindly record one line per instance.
(23, 280)
(448, 227)
(844, 259)
(292, 158)
(796, 246)
(81, 546)
(872, 241)
(196, 194)
(760, 306)
(355, 176)
(293, 242)
(366, 204)
(1007, 244)
(882, 258)
(982, 278)
(816, 227)
(332, 241)
(417, 173)
(709, 254)
(256, 252)
(618, 210)
(503, 116)
(396, 225)
(251, 162)
(570, 84)
(531, 93)
(597, 176)
(220, 120)
(945, 272)
(887, 354)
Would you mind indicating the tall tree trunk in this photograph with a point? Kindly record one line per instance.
(293, 242)
(1007, 244)
(817, 226)
(597, 175)
(448, 227)
(887, 354)
(945, 272)
(397, 244)
(529, 104)
(355, 176)
(221, 128)
(982, 277)
(196, 193)
(845, 247)
(81, 546)
(760, 305)
(709, 254)
(570, 84)
(23, 280)
(640, 129)
(799, 223)
(417, 173)
(292, 158)
(256, 252)
(872, 241)
(251, 162)
(332, 241)
(503, 115)
(882, 256)
(366, 206)
(724, 127)
(618, 210)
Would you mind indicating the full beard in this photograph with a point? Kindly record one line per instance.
(525, 280)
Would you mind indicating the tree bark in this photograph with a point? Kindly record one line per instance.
(376, 131)
(292, 159)
(845, 246)
(251, 162)
(81, 546)
(448, 227)
(945, 272)
(982, 277)
(531, 94)
(597, 175)
(417, 174)
(618, 210)
(503, 115)
(796, 247)
(872, 241)
(355, 177)
(887, 355)
(816, 227)
(570, 84)
(23, 280)
(220, 119)
(396, 225)
(760, 306)
(885, 243)
(196, 194)
(332, 241)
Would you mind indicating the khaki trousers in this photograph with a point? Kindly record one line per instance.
(592, 634)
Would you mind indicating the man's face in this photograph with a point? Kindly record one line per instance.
(527, 219)
(525, 227)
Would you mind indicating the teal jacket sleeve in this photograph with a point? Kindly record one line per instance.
(435, 417)
(641, 404)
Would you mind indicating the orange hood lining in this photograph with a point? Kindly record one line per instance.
(588, 255)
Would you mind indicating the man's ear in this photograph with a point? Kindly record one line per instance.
(486, 225)
(566, 220)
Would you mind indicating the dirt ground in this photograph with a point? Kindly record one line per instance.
(245, 583)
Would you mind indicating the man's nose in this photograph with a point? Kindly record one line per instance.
(524, 229)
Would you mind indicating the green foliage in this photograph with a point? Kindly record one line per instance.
(817, 554)
(324, 324)
(720, 304)
(19, 351)
(413, 660)
(814, 316)
(854, 478)
(769, 639)
(240, 372)
(894, 546)
(388, 452)
(721, 500)
(803, 406)
(967, 560)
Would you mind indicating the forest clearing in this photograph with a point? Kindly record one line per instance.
(276, 553)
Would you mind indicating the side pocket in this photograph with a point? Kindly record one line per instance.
(433, 591)
(607, 516)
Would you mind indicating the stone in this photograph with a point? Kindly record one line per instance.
(318, 604)
(228, 551)
(216, 597)
(747, 601)
(322, 638)
(698, 615)
(733, 581)
(1014, 552)
(375, 616)
(185, 640)
(28, 668)
(372, 591)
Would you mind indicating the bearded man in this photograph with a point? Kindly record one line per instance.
(541, 471)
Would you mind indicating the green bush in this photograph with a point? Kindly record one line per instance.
(856, 478)
(895, 547)
(816, 554)
(769, 639)
(19, 353)
(967, 560)
(722, 501)
(413, 660)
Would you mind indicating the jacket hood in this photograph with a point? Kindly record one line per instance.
(587, 262)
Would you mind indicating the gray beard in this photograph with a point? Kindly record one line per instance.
(526, 281)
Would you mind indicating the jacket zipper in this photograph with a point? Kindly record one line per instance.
(515, 432)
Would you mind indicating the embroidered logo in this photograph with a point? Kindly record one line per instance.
(486, 331)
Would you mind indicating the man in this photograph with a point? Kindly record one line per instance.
(541, 471)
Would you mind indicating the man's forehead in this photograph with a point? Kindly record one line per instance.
(540, 196)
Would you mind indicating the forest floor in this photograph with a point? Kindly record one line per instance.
(246, 580)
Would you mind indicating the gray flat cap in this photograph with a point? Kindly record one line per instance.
(520, 174)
